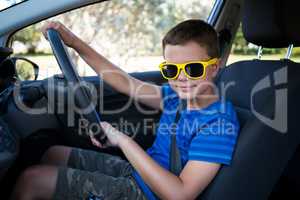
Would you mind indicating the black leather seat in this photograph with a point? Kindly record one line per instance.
(266, 96)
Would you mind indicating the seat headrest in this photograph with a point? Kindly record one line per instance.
(272, 23)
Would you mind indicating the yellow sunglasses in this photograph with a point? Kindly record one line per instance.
(193, 70)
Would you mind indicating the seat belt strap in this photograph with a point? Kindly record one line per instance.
(174, 155)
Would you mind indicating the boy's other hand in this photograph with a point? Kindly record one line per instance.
(66, 35)
(113, 135)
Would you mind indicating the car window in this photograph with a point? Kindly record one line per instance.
(242, 50)
(128, 32)
(4, 4)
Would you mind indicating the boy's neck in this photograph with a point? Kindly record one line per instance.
(204, 100)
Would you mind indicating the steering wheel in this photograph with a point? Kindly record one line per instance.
(67, 67)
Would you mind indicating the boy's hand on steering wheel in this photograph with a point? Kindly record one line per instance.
(66, 35)
(113, 136)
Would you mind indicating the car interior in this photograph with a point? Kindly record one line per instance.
(266, 160)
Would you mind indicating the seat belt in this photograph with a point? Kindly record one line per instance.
(175, 165)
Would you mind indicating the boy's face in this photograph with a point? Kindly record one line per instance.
(184, 87)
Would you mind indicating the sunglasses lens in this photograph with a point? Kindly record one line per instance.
(194, 70)
(169, 71)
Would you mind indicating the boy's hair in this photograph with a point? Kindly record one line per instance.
(197, 31)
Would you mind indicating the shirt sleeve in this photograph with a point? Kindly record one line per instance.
(215, 141)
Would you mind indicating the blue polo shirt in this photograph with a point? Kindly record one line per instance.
(208, 134)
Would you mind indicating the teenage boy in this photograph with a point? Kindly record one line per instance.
(205, 134)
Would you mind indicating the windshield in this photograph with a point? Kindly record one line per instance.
(127, 32)
(9, 3)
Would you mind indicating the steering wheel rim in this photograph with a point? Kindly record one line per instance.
(67, 67)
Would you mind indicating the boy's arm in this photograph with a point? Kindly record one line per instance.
(144, 92)
(193, 179)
